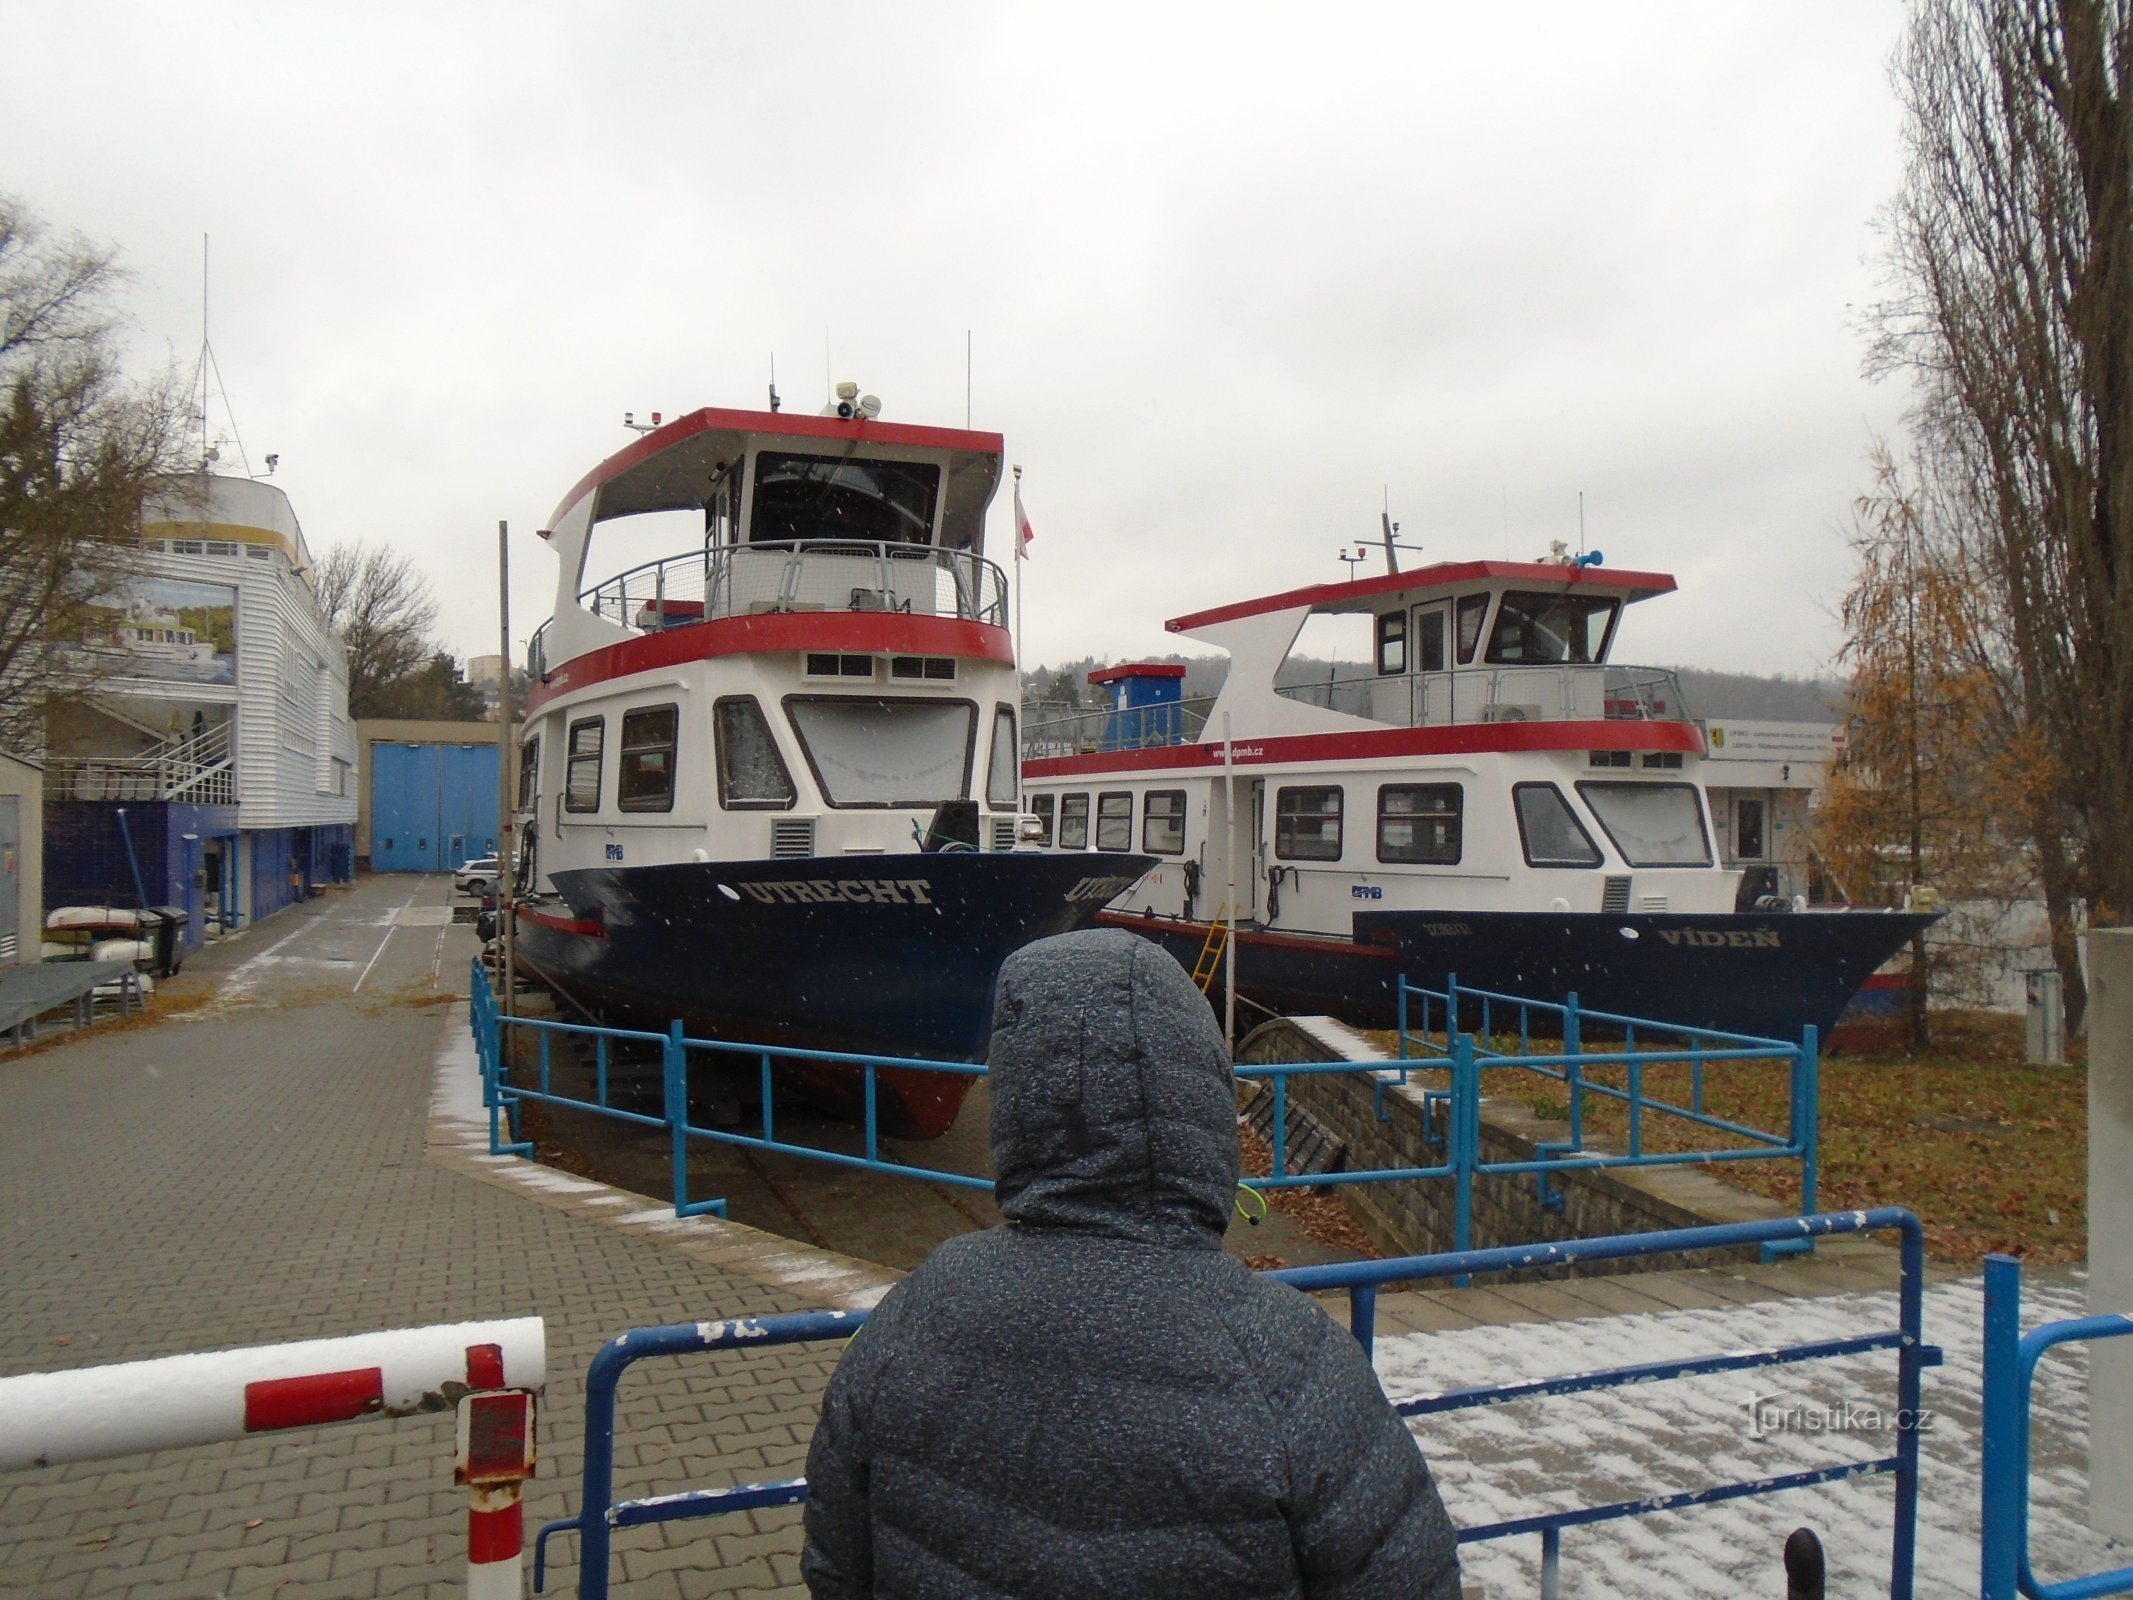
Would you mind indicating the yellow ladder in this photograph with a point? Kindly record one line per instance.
(1203, 970)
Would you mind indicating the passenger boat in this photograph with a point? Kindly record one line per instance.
(769, 784)
(1488, 795)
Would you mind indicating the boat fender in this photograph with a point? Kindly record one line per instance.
(1192, 882)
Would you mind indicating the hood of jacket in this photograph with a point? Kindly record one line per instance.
(1113, 1107)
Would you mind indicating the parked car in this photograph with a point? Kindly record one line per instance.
(476, 876)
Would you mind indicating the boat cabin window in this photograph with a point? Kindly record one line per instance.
(581, 786)
(1472, 608)
(1040, 807)
(1307, 824)
(873, 751)
(830, 664)
(1006, 768)
(644, 778)
(1392, 641)
(1652, 824)
(1163, 822)
(1114, 821)
(529, 772)
(751, 773)
(1549, 831)
(1073, 822)
(1536, 627)
(1420, 823)
(1430, 641)
(837, 497)
(934, 669)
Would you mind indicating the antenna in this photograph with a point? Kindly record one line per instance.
(1581, 522)
(1361, 555)
(1392, 560)
(966, 377)
(773, 380)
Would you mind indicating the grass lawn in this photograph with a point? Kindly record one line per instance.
(1991, 1154)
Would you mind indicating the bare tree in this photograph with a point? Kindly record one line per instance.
(79, 446)
(380, 605)
(2011, 243)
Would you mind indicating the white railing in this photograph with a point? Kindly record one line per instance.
(1135, 728)
(1555, 693)
(196, 768)
(806, 575)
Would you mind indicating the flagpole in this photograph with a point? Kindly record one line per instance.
(1021, 555)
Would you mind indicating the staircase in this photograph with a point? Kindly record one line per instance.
(195, 768)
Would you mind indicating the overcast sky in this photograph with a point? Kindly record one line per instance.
(1231, 273)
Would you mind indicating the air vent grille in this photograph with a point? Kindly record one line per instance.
(1651, 902)
(9, 948)
(1003, 833)
(792, 837)
(1616, 895)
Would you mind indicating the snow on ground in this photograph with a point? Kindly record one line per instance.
(1533, 1455)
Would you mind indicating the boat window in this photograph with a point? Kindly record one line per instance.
(1073, 822)
(1040, 807)
(751, 773)
(1163, 822)
(1392, 641)
(1531, 626)
(1652, 824)
(1611, 758)
(529, 772)
(1307, 824)
(1429, 639)
(835, 497)
(1421, 823)
(939, 669)
(874, 751)
(1114, 821)
(1472, 608)
(829, 664)
(1549, 830)
(581, 787)
(1006, 761)
(644, 778)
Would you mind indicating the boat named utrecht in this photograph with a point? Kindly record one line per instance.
(769, 784)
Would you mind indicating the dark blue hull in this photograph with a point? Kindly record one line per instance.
(1764, 973)
(879, 955)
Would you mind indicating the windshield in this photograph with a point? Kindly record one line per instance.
(876, 752)
(831, 497)
(1652, 824)
(1551, 627)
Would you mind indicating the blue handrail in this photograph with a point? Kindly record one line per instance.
(600, 1513)
(2011, 1358)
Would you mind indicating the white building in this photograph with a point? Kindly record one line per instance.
(211, 763)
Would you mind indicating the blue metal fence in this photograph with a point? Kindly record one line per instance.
(2011, 1358)
(502, 1097)
(1467, 1056)
(1471, 1031)
(600, 1513)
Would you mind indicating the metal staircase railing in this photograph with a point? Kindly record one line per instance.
(192, 767)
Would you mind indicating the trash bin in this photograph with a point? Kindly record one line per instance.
(168, 923)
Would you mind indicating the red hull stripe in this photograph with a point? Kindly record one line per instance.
(496, 1535)
(1322, 945)
(860, 632)
(309, 1401)
(547, 919)
(1467, 739)
(1634, 585)
(780, 424)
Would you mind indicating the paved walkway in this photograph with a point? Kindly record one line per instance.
(255, 1171)
(292, 1149)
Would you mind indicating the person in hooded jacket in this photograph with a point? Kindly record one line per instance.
(1096, 1399)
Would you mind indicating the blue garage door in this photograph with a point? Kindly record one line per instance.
(432, 806)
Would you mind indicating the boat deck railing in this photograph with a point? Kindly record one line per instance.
(1073, 733)
(802, 575)
(1556, 692)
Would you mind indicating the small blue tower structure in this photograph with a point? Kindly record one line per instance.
(1147, 707)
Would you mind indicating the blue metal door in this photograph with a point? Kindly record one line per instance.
(432, 806)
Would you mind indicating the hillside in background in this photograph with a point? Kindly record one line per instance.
(1725, 696)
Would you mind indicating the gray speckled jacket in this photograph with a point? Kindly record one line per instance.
(1095, 1399)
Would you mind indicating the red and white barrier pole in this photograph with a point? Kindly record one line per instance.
(494, 1457)
(94, 1412)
